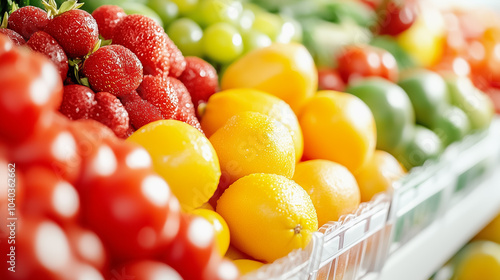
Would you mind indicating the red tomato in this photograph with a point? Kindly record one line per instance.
(87, 246)
(51, 145)
(48, 195)
(5, 44)
(124, 202)
(364, 61)
(30, 87)
(193, 253)
(145, 270)
(398, 17)
(329, 79)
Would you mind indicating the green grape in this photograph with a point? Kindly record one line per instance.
(209, 12)
(166, 9)
(186, 6)
(246, 19)
(222, 42)
(269, 24)
(187, 35)
(253, 39)
(291, 31)
(132, 8)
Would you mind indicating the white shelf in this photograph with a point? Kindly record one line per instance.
(429, 250)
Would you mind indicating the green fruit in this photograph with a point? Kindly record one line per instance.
(253, 39)
(391, 109)
(476, 104)
(210, 12)
(427, 92)
(132, 8)
(424, 145)
(269, 24)
(222, 42)
(91, 5)
(166, 9)
(186, 6)
(187, 36)
(450, 124)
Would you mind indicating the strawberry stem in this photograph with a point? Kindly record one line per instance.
(5, 20)
(52, 10)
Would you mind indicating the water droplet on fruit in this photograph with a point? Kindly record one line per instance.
(64, 147)
(105, 162)
(146, 237)
(52, 246)
(139, 158)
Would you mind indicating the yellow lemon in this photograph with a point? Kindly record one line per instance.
(184, 157)
(284, 70)
(225, 104)
(332, 188)
(251, 142)
(268, 215)
(246, 266)
(220, 228)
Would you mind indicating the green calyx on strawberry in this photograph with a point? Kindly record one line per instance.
(52, 10)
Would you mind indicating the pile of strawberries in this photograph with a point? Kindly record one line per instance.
(121, 70)
(79, 202)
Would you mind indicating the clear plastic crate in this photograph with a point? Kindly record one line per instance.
(351, 248)
(422, 196)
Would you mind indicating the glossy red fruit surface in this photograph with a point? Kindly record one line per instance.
(329, 79)
(144, 37)
(107, 18)
(145, 270)
(77, 102)
(160, 93)
(27, 20)
(31, 86)
(76, 31)
(43, 43)
(140, 111)
(177, 61)
(16, 38)
(114, 69)
(200, 79)
(109, 110)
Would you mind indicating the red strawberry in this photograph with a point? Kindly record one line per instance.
(114, 69)
(140, 111)
(144, 37)
(42, 42)
(15, 37)
(177, 61)
(76, 31)
(107, 18)
(200, 79)
(77, 102)
(186, 112)
(28, 20)
(109, 111)
(160, 93)
(6, 44)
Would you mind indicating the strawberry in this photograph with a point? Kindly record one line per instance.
(114, 69)
(15, 37)
(186, 112)
(77, 102)
(43, 43)
(200, 79)
(28, 20)
(144, 37)
(140, 111)
(177, 61)
(107, 18)
(6, 44)
(160, 93)
(109, 110)
(75, 30)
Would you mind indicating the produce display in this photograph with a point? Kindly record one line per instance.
(204, 139)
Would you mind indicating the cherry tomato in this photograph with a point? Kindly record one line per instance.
(145, 270)
(30, 87)
(398, 17)
(5, 44)
(125, 202)
(48, 195)
(193, 253)
(329, 79)
(364, 61)
(51, 145)
(87, 246)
